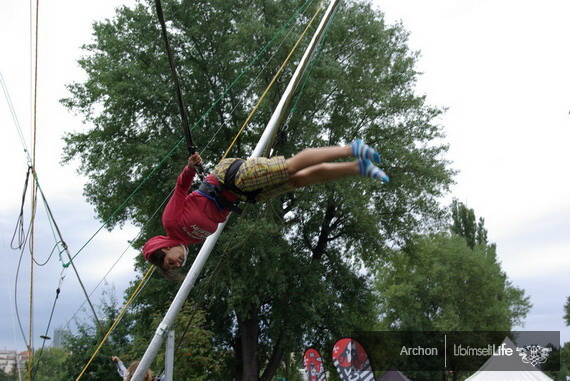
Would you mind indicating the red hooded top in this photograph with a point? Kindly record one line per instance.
(188, 218)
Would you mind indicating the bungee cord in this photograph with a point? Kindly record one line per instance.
(45, 336)
(190, 145)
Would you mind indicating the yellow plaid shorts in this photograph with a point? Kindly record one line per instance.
(268, 175)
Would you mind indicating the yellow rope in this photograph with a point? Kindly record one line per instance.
(119, 317)
(272, 82)
(34, 197)
(150, 270)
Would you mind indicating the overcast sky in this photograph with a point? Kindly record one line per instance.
(501, 67)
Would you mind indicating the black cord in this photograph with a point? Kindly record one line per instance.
(50, 255)
(19, 229)
(57, 291)
(16, 297)
(21, 245)
(183, 112)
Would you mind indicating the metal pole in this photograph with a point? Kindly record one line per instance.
(275, 121)
(169, 357)
(208, 246)
(177, 304)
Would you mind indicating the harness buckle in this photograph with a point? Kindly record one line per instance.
(214, 193)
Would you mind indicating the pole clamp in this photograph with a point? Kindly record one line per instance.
(162, 329)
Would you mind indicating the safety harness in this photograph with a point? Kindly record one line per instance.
(214, 192)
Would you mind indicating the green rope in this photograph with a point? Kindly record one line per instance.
(126, 200)
(218, 100)
(299, 10)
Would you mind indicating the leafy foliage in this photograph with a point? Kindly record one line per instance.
(82, 343)
(450, 282)
(464, 225)
(439, 283)
(291, 271)
(49, 364)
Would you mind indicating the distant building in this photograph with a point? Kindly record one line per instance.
(8, 360)
(23, 358)
(58, 337)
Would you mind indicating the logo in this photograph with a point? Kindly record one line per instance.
(351, 361)
(314, 368)
(534, 354)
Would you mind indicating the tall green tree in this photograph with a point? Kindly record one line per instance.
(465, 224)
(82, 342)
(450, 281)
(439, 283)
(49, 364)
(289, 271)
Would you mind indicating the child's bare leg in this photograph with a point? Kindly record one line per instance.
(313, 156)
(323, 172)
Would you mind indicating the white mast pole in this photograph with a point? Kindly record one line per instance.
(202, 257)
(169, 357)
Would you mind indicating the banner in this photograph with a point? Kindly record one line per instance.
(462, 351)
(314, 368)
(351, 361)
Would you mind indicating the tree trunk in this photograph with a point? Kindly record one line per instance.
(238, 369)
(274, 360)
(249, 333)
(323, 240)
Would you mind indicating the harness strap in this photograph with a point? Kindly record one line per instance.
(230, 178)
(214, 193)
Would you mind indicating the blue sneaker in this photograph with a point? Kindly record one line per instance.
(361, 150)
(368, 169)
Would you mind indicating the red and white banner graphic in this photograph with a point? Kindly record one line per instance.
(351, 361)
(314, 368)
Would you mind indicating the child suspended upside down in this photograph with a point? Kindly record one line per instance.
(190, 218)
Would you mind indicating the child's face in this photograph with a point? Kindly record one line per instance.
(174, 258)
